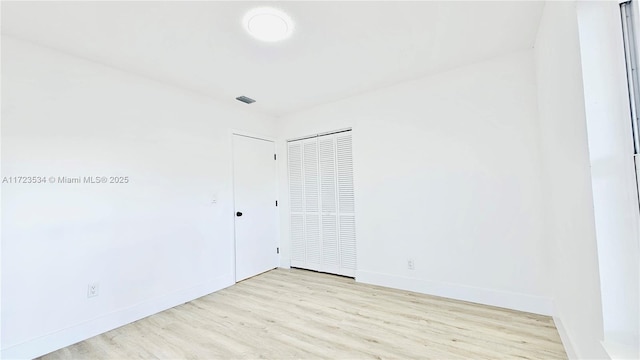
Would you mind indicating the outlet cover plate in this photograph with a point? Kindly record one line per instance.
(93, 290)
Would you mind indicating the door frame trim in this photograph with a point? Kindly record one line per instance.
(232, 133)
(250, 134)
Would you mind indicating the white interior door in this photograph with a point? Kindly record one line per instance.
(255, 212)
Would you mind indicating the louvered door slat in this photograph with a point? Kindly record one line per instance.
(327, 159)
(344, 161)
(346, 204)
(310, 163)
(296, 196)
(313, 240)
(298, 242)
(348, 242)
(327, 166)
(330, 255)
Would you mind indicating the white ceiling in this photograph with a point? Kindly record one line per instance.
(338, 49)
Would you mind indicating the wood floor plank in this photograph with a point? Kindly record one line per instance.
(298, 314)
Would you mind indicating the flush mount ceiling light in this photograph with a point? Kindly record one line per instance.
(268, 24)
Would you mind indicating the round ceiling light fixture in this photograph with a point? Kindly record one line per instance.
(268, 24)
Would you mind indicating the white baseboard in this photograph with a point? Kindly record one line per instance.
(285, 263)
(621, 351)
(65, 337)
(566, 339)
(522, 302)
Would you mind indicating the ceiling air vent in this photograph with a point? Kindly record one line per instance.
(245, 99)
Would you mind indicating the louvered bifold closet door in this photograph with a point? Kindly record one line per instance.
(346, 204)
(322, 204)
(328, 197)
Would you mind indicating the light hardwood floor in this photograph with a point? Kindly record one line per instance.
(298, 314)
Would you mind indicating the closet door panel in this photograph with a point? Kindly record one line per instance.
(296, 198)
(328, 200)
(346, 204)
(313, 237)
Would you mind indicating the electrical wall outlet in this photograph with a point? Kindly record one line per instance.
(93, 290)
(410, 264)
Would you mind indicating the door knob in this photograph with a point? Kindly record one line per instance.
(238, 213)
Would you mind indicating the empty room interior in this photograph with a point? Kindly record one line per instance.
(320, 179)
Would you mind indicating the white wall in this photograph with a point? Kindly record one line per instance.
(566, 169)
(612, 170)
(446, 173)
(151, 244)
